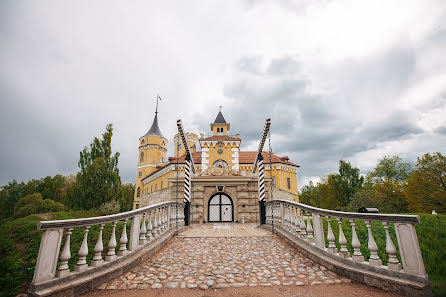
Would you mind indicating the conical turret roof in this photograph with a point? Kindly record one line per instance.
(220, 119)
(155, 129)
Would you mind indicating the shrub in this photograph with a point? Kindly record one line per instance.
(33, 203)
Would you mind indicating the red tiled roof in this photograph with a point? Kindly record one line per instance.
(243, 157)
(220, 137)
(249, 157)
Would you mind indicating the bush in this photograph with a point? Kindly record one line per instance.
(110, 207)
(33, 203)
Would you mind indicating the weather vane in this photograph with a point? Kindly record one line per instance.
(220, 107)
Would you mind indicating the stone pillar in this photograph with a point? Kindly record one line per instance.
(134, 233)
(318, 227)
(48, 255)
(409, 249)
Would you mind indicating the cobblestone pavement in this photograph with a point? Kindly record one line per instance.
(224, 230)
(222, 262)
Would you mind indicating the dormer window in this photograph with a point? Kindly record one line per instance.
(142, 141)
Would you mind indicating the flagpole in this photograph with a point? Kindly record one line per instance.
(157, 98)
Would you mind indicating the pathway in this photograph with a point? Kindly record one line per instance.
(204, 257)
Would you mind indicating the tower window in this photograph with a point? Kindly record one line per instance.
(151, 188)
(138, 192)
(155, 186)
(140, 173)
(161, 184)
(161, 160)
(288, 183)
(141, 157)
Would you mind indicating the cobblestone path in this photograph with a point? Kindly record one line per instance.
(222, 262)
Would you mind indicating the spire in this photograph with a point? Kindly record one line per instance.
(155, 129)
(220, 119)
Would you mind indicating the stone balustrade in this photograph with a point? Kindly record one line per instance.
(148, 226)
(303, 226)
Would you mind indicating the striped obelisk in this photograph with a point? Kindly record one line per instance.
(187, 179)
(261, 177)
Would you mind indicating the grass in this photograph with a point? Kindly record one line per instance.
(20, 241)
(431, 234)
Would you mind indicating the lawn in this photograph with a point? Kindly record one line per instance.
(19, 246)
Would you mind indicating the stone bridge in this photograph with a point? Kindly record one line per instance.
(295, 250)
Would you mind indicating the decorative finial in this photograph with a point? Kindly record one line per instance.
(220, 107)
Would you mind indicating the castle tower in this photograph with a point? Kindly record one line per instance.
(192, 140)
(219, 127)
(152, 152)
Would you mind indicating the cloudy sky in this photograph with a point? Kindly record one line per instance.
(354, 80)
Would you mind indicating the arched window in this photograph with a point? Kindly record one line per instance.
(138, 192)
(220, 163)
(141, 157)
(161, 184)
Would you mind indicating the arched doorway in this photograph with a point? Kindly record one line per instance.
(220, 208)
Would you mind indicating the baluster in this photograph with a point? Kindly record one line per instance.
(123, 241)
(331, 239)
(111, 255)
(309, 229)
(98, 248)
(143, 230)
(303, 227)
(155, 224)
(64, 269)
(357, 256)
(393, 264)
(373, 248)
(288, 218)
(82, 265)
(149, 227)
(285, 216)
(291, 219)
(342, 241)
(160, 224)
(297, 223)
(163, 219)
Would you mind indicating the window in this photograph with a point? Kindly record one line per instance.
(140, 173)
(136, 205)
(274, 181)
(141, 157)
(161, 160)
(288, 183)
(193, 148)
(220, 163)
(161, 184)
(163, 144)
(138, 192)
(155, 186)
(151, 188)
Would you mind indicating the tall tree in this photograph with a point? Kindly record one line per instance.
(426, 188)
(310, 195)
(349, 181)
(98, 181)
(389, 178)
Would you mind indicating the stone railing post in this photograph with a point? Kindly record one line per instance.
(48, 255)
(134, 233)
(319, 237)
(409, 249)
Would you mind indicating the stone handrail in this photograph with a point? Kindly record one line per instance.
(147, 224)
(304, 224)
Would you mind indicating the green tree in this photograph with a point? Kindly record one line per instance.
(310, 195)
(34, 203)
(348, 181)
(126, 197)
(389, 178)
(98, 181)
(10, 194)
(426, 187)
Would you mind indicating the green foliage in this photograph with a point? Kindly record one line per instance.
(310, 195)
(390, 168)
(426, 188)
(348, 181)
(53, 188)
(98, 181)
(34, 203)
(126, 196)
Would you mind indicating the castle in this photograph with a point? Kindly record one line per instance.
(224, 189)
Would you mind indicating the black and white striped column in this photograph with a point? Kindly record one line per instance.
(187, 179)
(261, 177)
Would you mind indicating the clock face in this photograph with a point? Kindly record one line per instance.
(220, 151)
(220, 144)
